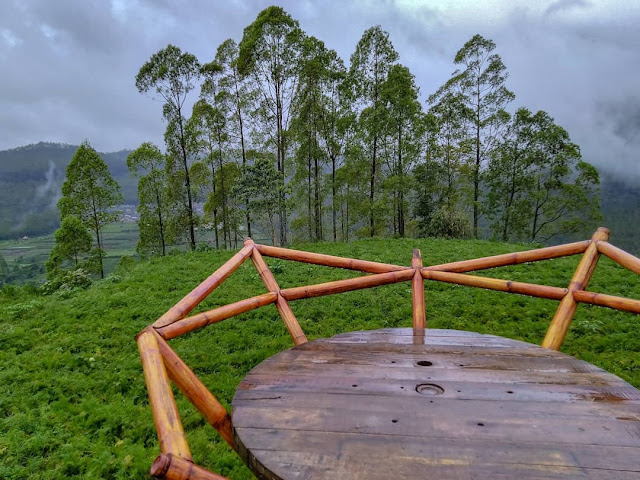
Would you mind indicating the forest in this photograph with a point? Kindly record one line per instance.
(286, 139)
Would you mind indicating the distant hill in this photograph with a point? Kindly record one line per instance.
(30, 181)
(31, 178)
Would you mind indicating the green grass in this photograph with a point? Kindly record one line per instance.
(73, 402)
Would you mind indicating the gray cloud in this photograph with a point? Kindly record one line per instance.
(68, 67)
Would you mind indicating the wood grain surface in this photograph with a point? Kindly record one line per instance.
(441, 404)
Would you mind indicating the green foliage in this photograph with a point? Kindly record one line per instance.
(72, 241)
(89, 193)
(66, 282)
(449, 223)
(4, 268)
(74, 402)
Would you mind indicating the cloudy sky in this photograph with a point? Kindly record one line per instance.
(67, 67)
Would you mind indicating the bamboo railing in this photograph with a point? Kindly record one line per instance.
(162, 365)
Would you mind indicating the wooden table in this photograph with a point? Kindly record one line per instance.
(441, 404)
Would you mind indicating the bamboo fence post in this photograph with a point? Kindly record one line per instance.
(193, 298)
(327, 260)
(282, 305)
(199, 395)
(566, 310)
(618, 255)
(417, 292)
(347, 285)
(514, 258)
(203, 319)
(170, 467)
(163, 405)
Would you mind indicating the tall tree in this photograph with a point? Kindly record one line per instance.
(481, 81)
(147, 163)
(89, 193)
(172, 74)
(370, 65)
(269, 52)
(241, 99)
(405, 131)
(4, 268)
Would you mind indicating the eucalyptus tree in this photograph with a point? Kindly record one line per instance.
(307, 110)
(404, 136)
(241, 98)
(210, 114)
(269, 52)
(370, 65)
(147, 163)
(450, 147)
(90, 194)
(565, 193)
(481, 80)
(172, 75)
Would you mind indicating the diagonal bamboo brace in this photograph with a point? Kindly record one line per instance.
(163, 405)
(192, 388)
(282, 305)
(417, 292)
(566, 310)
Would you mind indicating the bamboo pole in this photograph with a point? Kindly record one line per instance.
(327, 260)
(340, 286)
(567, 308)
(530, 289)
(170, 467)
(199, 395)
(204, 319)
(611, 301)
(620, 256)
(193, 298)
(163, 405)
(282, 305)
(417, 292)
(514, 258)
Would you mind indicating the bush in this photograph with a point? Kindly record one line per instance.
(450, 223)
(67, 281)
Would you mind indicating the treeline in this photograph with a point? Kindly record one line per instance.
(286, 139)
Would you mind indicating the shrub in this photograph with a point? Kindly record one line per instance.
(450, 223)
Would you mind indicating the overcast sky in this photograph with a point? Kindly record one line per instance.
(67, 68)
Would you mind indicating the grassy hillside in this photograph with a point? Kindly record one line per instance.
(74, 404)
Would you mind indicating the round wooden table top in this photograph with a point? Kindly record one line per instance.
(435, 404)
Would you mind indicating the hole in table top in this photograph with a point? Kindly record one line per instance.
(429, 389)
(393, 361)
(354, 385)
(509, 391)
(424, 363)
(480, 424)
(395, 420)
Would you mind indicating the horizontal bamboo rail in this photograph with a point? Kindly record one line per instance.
(513, 258)
(610, 301)
(203, 319)
(341, 286)
(170, 467)
(161, 364)
(530, 289)
(327, 260)
(620, 256)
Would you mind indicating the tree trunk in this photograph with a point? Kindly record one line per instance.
(333, 196)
